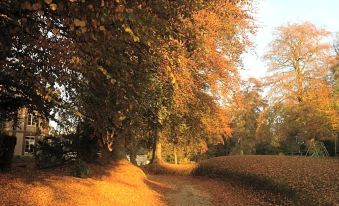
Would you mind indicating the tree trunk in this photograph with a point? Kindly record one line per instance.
(156, 157)
(299, 79)
(153, 149)
(335, 144)
(175, 156)
(118, 148)
(106, 155)
(133, 157)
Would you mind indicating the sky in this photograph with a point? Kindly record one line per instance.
(273, 13)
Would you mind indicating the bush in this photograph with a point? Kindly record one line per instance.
(80, 169)
(224, 149)
(7, 145)
(88, 148)
(265, 148)
(85, 143)
(51, 152)
(216, 150)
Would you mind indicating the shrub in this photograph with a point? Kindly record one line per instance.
(88, 148)
(265, 148)
(80, 169)
(85, 142)
(7, 145)
(51, 152)
(224, 149)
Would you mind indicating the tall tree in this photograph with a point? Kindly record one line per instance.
(33, 60)
(246, 111)
(114, 60)
(297, 57)
(299, 60)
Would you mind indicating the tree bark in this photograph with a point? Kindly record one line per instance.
(175, 156)
(106, 155)
(118, 148)
(299, 79)
(156, 157)
(335, 144)
(133, 157)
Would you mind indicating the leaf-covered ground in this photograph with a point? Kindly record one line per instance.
(309, 181)
(240, 180)
(120, 184)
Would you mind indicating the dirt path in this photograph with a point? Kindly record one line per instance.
(191, 191)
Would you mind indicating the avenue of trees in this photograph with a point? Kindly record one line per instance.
(163, 75)
(131, 72)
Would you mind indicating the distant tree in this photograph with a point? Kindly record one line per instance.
(297, 58)
(246, 109)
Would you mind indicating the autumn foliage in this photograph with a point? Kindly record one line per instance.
(126, 69)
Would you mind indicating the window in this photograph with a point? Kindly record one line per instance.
(29, 144)
(31, 119)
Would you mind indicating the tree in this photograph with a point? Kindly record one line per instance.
(335, 84)
(297, 58)
(246, 110)
(33, 66)
(105, 62)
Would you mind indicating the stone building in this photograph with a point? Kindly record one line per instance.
(29, 129)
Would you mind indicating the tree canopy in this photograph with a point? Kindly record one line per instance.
(124, 67)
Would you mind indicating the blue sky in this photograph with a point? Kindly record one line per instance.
(273, 13)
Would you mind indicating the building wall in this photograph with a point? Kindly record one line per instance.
(23, 130)
(19, 144)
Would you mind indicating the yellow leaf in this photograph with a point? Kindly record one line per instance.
(79, 23)
(53, 7)
(129, 30)
(102, 28)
